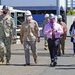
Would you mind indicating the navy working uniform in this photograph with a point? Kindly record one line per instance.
(6, 28)
(46, 21)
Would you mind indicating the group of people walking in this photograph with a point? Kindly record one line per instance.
(29, 35)
(54, 35)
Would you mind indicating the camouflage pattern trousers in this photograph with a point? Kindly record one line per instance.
(5, 42)
(45, 41)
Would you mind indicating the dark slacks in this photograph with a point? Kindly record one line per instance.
(74, 48)
(53, 47)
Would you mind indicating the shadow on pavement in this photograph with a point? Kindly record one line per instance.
(43, 65)
(12, 65)
(39, 54)
(67, 55)
(45, 54)
(65, 67)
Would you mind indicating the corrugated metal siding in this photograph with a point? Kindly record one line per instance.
(39, 18)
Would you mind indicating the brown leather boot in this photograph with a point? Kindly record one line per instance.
(35, 60)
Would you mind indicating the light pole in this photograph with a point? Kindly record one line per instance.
(58, 7)
(0, 2)
(71, 4)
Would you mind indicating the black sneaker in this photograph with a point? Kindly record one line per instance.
(63, 53)
(27, 64)
(55, 63)
(51, 64)
(7, 62)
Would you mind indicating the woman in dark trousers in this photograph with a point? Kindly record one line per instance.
(71, 33)
(73, 25)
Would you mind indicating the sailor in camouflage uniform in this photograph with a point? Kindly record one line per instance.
(1, 46)
(46, 21)
(6, 28)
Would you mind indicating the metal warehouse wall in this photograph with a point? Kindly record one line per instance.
(38, 17)
(29, 2)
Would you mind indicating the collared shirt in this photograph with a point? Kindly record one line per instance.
(30, 30)
(57, 27)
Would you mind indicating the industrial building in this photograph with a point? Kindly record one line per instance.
(40, 7)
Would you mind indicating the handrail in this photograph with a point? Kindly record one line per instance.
(17, 19)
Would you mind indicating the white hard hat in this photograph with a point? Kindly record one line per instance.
(46, 15)
(28, 12)
(59, 16)
(52, 16)
(73, 18)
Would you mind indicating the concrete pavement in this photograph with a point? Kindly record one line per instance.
(66, 63)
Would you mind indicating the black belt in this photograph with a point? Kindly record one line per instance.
(62, 35)
(53, 39)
